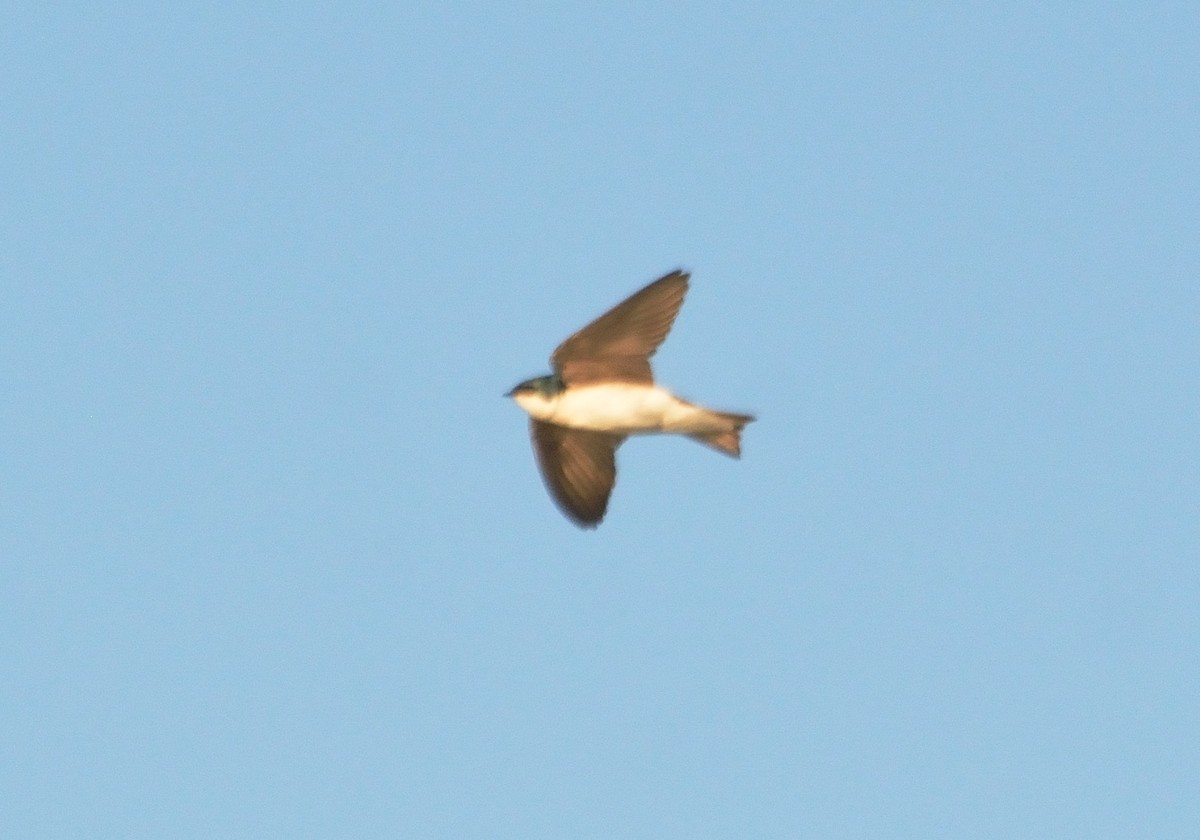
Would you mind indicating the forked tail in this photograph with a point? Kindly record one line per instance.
(729, 440)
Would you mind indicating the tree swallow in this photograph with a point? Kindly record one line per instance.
(602, 390)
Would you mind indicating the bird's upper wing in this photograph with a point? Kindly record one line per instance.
(579, 468)
(619, 344)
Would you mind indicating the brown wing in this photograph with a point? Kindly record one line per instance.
(619, 344)
(579, 468)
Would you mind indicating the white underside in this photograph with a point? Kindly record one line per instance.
(622, 409)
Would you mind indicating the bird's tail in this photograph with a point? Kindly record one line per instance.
(728, 440)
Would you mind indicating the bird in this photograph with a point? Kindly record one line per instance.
(602, 390)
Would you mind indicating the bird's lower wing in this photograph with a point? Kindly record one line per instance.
(579, 468)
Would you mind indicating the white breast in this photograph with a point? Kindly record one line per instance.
(614, 408)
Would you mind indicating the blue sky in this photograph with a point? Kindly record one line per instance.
(275, 557)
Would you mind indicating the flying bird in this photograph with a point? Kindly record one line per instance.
(602, 391)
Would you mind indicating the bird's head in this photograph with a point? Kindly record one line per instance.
(538, 395)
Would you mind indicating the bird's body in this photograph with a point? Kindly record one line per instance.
(622, 408)
(602, 391)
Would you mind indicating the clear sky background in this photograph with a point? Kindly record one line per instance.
(276, 559)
